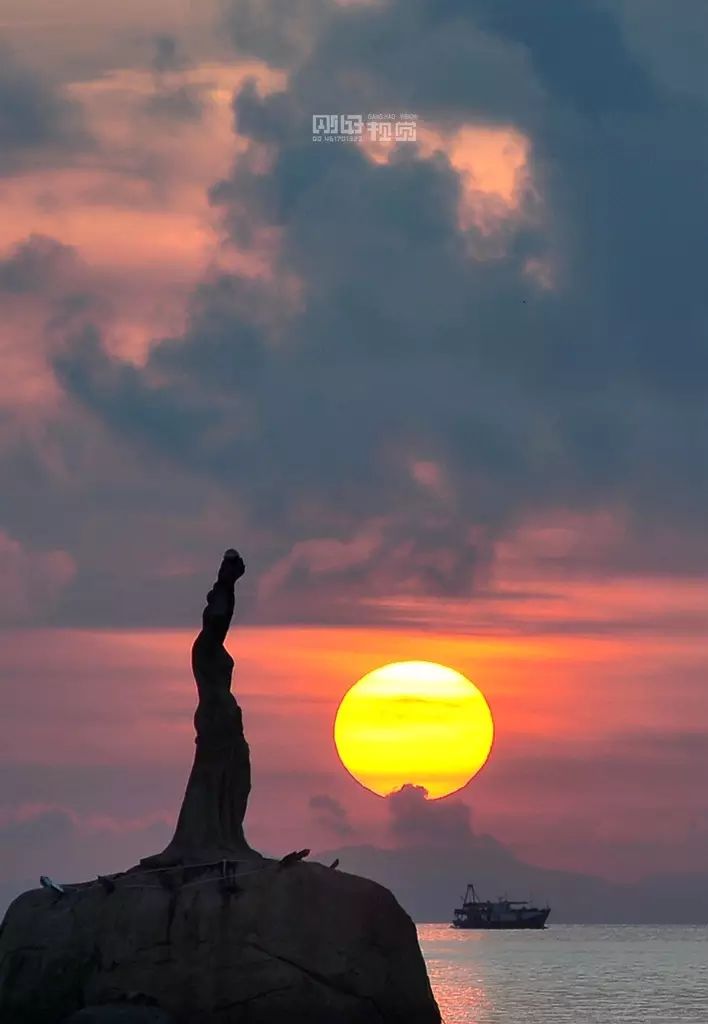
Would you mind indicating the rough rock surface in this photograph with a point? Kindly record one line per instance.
(118, 1014)
(301, 944)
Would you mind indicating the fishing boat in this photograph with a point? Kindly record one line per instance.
(498, 914)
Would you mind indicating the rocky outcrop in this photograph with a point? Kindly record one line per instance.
(208, 931)
(233, 944)
(119, 1013)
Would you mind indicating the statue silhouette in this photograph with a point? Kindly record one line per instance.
(210, 824)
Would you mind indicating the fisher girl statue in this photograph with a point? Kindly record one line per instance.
(210, 824)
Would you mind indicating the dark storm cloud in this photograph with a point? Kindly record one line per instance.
(564, 39)
(676, 58)
(277, 31)
(330, 814)
(54, 486)
(128, 400)
(404, 347)
(173, 98)
(35, 117)
(34, 265)
(444, 61)
(167, 55)
(416, 821)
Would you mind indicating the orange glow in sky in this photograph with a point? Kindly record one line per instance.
(492, 162)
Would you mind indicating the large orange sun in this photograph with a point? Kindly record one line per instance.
(413, 722)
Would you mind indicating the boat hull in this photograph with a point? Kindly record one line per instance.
(536, 923)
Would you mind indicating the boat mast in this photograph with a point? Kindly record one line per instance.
(470, 887)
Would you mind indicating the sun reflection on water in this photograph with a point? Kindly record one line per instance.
(569, 974)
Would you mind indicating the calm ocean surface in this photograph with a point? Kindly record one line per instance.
(569, 974)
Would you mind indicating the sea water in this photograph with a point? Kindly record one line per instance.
(569, 974)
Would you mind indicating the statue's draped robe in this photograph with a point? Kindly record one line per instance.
(210, 824)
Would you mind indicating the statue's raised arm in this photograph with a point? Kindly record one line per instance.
(210, 825)
(219, 610)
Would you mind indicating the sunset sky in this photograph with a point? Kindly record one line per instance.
(448, 397)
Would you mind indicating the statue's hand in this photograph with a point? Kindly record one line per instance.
(233, 566)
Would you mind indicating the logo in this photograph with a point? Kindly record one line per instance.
(384, 128)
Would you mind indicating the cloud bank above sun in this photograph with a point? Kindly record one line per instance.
(380, 368)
